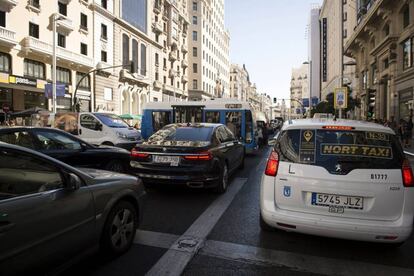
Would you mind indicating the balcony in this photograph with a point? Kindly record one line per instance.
(184, 48)
(157, 27)
(184, 79)
(157, 85)
(34, 45)
(184, 63)
(8, 4)
(157, 9)
(7, 37)
(63, 23)
(172, 73)
(173, 56)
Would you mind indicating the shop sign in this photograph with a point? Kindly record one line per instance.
(60, 90)
(22, 81)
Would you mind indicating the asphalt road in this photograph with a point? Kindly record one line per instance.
(220, 235)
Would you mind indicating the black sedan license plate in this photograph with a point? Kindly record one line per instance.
(166, 159)
(329, 200)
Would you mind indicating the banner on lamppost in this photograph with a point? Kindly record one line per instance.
(60, 90)
(341, 98)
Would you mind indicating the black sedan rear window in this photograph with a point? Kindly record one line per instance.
(175, 133)
(341, 151)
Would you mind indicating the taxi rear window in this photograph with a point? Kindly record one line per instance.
(341, 151)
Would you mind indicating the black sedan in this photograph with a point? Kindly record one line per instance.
(51, 213)
(197, 155)
(67, 148)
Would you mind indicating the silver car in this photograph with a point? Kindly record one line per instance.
(51, 212)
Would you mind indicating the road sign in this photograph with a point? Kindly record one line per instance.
(341, 98)
(60, 90)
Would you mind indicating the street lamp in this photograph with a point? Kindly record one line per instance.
(55, 19)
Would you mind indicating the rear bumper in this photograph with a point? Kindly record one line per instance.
(335, 227)
(344, 229)
(194, 181)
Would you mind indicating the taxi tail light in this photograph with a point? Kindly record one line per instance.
(137, 154)
(407, 174)
(272, 164)
(202, 156)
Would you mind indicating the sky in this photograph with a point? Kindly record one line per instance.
(269, 36)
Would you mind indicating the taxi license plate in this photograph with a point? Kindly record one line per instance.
(329, 200)
(173, 160)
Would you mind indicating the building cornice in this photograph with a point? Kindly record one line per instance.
(97, 8)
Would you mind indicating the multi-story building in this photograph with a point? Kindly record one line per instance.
(299, 88)
(209, 73)
(314, 49)
(106, 80)
(335, 30)
(382, 45)
(26, 50)
(239, 82)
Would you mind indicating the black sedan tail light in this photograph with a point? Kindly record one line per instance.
(202, 156)
(137, 154)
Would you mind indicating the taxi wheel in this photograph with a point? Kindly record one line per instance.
(264, 226)
(223, 181)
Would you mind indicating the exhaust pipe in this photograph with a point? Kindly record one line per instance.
(195, 184)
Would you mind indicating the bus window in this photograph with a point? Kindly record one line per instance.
(213, 117)
(249, 127)
(233, 122)
(160, 119)
(188, 114)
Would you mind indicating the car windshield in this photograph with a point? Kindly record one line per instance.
(178, 133)
(349, 149)
(112, 120)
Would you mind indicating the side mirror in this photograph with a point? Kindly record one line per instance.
(98, 126)
(73, 182)
(271, 142)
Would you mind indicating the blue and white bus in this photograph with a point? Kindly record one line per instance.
(237, 116)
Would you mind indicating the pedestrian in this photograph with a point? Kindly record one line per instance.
(401, 130)
(260, 136)
(408, 132)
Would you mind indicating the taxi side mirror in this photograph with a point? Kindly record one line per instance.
(271, 142)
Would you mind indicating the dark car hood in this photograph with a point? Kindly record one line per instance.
(110, 149)
(101, 174)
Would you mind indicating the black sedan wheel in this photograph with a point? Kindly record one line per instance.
(223, 181)
(115, 166)
(119, 230)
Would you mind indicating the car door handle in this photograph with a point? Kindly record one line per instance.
(5, 226)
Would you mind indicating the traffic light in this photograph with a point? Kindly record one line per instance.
(274, 100)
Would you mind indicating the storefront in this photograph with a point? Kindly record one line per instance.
(21, 93)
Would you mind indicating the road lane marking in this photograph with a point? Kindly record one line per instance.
(262, 256)
(156, 239)
(174, 261)
(295, 261)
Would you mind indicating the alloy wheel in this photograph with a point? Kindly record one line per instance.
(122, 229)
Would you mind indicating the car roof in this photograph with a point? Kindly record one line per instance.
(318, 123)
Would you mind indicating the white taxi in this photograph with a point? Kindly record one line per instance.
(343, 179)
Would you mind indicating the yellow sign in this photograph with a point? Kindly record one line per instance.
(308, 135)
(4, 78)
(356, 150)
(341, 98)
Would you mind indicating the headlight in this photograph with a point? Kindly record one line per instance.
(122, 135)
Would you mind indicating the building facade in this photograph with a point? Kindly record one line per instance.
(209, 73)
(26, 50)
(382, 46)
(335, 30)
(314, 52)
(239, 82)
(299, 89)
